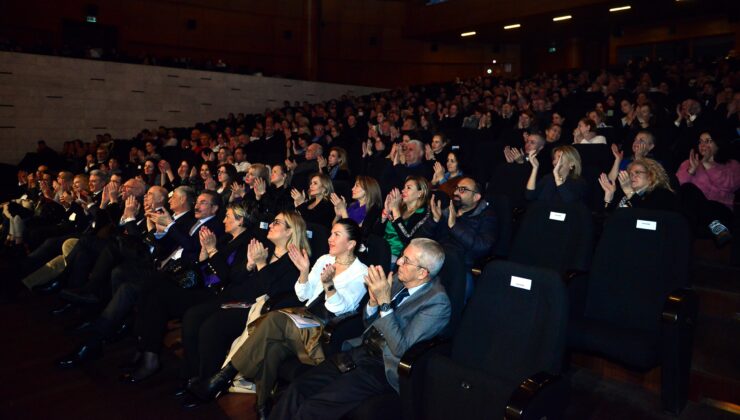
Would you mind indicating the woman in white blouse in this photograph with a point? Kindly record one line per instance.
(333, 287)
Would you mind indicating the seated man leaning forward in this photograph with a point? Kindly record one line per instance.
(400, 313)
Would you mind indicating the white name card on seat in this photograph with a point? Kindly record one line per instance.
(647, 224)
(264, 225)
(560, 217)
(521, 282)
(309, 234)
(72, 217)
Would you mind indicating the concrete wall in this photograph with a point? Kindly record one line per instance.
(59, 99)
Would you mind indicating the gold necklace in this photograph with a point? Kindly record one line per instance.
(345, 262)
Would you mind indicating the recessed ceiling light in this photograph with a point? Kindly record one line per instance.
(471, 33)
(619, 9)
(514, 26)
(559, 18)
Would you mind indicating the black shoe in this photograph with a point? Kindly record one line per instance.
(148, 367)
(210, 389)
(77, 296)
(182, 390)
(64, 309)
(190, 401)
(86, 352)
(49, 288)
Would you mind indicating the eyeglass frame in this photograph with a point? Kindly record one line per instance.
(406, 262)
(461, 190)
(279, 222)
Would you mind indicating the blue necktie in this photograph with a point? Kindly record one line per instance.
(403, 294)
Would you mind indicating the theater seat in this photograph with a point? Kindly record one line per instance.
(504, 359)
(634, 306)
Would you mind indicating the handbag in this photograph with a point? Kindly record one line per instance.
(186, 276)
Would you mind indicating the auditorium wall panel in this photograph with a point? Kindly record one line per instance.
(59, 99)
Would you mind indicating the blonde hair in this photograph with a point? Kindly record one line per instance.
(571, 157)
(298, 237)
(655, 172)
(422, 185)
(341, 156)
(325, 182)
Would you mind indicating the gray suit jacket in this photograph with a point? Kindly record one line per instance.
(421, 316)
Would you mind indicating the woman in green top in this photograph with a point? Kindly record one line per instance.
(405, 212)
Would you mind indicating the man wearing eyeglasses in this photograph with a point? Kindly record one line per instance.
(401, 312)
(467, 225)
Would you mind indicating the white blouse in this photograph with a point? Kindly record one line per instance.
(349, 285)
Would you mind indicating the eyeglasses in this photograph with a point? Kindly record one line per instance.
(279, 222)
(404, 260)
(637, 173)
(204, 203)
(462, 190)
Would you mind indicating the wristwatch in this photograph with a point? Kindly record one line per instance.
(385, 307)
(330, 288)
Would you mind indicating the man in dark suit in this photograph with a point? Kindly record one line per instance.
(400, 313)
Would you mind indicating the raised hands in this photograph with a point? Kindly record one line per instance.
(210, 183)
(452, 216)
(327, 274)
(533, 161)
(299, 197)
(395, 200)
(260, 187)
(641, 151)
(694, 161)
(428, 153)
(256, 254)
(322, 162)
(237, 191)
(439, 173)
(340, 205)
(608, 186)
(378, 285)
(131, 207)
(436, 208)
(300, 260)
(625, 184)
(207, 240)
(618, 154)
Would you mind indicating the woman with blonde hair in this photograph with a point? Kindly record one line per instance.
(335, 165)
(405, 212)
(644, 184)
(564, 184)
(317, 208)
(209, 329)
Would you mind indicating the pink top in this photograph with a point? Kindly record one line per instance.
(718, 183)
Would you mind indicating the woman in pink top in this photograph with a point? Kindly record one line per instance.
(709, 180)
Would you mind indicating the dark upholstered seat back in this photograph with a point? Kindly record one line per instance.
(515, 323)
(452, 276)
(555, 235)
(642, 256)
(318, 237)
(377, 252)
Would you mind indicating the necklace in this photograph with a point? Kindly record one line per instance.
(349, 262)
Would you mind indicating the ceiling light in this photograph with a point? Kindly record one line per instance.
(489, 71)
(514, 26)
(619, 9)
(559, 18)
(494, 61)
(471, 33)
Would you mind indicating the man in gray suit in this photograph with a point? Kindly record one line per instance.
(400, 313)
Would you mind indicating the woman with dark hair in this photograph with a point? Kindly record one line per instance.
(585, 133)
(317, 208)
(334, 286)
(709, 180)
(209, 329)
(227, 175)
(365, 210)
(149, 173)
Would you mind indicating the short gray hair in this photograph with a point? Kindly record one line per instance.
(100, 174)
(189, 194)
(431, 257)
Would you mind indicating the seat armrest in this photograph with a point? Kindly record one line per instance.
(338, 324)
(482, 263)
(418, 351)
(274, 302)
(542, 395)
(680, 306)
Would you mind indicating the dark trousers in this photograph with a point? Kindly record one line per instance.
(700, 211)
(325, 393)
(160, 304)
(83, 259)
(207, 334)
